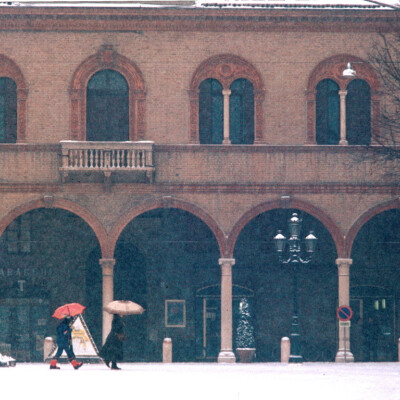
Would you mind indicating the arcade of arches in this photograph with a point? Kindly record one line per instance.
(169, 261)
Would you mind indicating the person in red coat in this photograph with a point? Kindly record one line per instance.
(64, 342)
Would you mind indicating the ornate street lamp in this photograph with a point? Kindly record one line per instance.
(294, 258)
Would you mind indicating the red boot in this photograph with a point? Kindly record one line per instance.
(53, 364)
(76, 364)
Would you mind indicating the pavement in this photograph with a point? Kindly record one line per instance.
(206, 381)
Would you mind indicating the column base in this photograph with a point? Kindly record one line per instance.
(226, 356)
(344, 357)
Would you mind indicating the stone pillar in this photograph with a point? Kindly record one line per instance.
(343, 140)
(226, 354)
(344, 354)
(107, 266)
(226, 93)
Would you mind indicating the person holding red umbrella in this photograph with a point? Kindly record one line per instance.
(64, 337)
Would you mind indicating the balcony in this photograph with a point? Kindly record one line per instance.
(107, 161)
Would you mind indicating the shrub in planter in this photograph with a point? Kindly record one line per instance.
(245, 342)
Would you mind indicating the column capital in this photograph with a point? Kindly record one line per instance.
(223, 261)
(226, 92)
(342, 92)
(346, 261)
(107, 264)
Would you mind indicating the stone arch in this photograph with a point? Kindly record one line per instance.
(50, 202)
(226, 68)
(108, 58)
(364, 218)
(164, 202)
(9, 69)
(320, 215)
(332, 68)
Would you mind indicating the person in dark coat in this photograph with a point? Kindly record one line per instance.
(64, 342)
(112, 351)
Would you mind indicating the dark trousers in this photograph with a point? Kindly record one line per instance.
(68, 349)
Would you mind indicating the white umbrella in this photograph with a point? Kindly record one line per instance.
(124, 307)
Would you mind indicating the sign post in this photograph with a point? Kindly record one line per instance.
(344, 314)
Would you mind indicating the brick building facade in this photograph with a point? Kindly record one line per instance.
(167, 206)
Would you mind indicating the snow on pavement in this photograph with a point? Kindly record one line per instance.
(206, 381)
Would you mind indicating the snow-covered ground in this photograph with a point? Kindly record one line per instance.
(193, 381)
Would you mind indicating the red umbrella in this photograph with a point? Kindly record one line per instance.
(68, 310)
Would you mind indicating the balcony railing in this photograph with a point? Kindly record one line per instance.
(107, 158)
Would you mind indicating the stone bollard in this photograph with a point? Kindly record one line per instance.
(285, 349)
(47, 347)
(167, 350)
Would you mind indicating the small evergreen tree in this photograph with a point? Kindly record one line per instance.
(245, 329)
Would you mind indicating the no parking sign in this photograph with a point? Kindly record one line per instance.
(344, 313)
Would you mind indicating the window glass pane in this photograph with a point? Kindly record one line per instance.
(241, 112)
(211, 109)
(358, 113)
(107, 107)
(8, 111)
(327, 112)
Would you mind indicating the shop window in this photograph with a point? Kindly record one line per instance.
(358, 113)
(327, 112)
(210, 112)
(18, 235)
(241, 112)
(8, 111)
(107, 107)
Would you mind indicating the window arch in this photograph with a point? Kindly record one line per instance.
(107, 59)
(107, 107)
(359, 101)
(226, 69)
(13, 95)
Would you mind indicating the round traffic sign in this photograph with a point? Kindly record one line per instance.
(344, 313)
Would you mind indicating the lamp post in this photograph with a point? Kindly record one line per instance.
(294, 258)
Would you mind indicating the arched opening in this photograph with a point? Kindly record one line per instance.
(375, 283)
(258, 268)
(44, 265)
(8, 111)
(107, 107)
(327, 112)
(211, 110)
(358, 113)
(241, 112)
(163, 257)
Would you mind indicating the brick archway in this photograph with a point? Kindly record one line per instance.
(164, 202)
(226, 68)
(108, 58)
(332, 68)
(363, 219)
(67, 205)
(9, 69)
(328, 223)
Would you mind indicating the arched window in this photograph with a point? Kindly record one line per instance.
(237, 103)
(241, 112)
(211, 109)
(327, 112)
(8, 111)
(334, 100)
(107, 107)
(358, 112)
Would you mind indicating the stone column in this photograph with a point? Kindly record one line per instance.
(344, 354)
(226, 354)
(226, 93)
(107, 266)
(343, 140)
